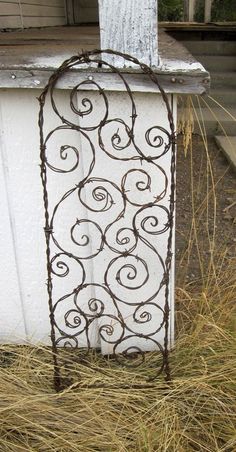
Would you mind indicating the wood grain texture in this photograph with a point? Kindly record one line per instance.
(31, 55)
(130, 27)
(43, 21)
(42, 10)
(138, 83)
(10, 22)
(9, 1)
(9, 9)
(35, 2)
(51, 3)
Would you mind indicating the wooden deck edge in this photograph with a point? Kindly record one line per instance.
(30, 66)
(171, 83)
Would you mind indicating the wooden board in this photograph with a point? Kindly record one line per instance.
(43, 21)
(42, 10)
(9, 9)
(48, 3)
(32, 13)
(10, 22)
(34, 2)
(27, 59)
(196, 26)
(28, 78)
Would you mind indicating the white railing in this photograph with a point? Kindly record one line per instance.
(190, 10)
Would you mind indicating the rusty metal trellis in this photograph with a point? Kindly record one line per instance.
(77, 319)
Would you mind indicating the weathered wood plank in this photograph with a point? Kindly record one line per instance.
(35, 13)
(58, 34)
(36, 2)
(42, 10)
(31, 65)
(173, 55)
(219, 27)
(51, 3)
(130, 27)
(138, 82)
(9, 9)
(43, 21)
(10, 22)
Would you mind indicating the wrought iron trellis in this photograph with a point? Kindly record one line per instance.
(78, 320)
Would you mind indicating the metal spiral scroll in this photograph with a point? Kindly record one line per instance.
(106, 203)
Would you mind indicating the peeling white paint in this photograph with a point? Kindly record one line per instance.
(130, 27)
(180, 66)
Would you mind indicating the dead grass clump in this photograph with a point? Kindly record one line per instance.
(113, 409)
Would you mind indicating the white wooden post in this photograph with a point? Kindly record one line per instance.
(130, 27)
(207, 15)
(191, 10)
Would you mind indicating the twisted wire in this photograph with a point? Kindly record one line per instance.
(103, 195)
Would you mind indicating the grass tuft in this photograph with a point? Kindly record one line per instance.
(112, 409)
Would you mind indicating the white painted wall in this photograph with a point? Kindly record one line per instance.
(32, 13)
(23, 296)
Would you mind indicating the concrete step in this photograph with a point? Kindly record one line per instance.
(217, 63)
(228, 147)
(222, 80)
(223, 48)
(225, 97)
(214, 119)
(219, 57)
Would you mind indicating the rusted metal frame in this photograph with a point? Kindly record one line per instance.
(96, 311)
